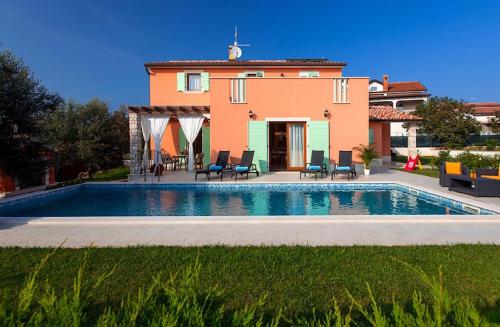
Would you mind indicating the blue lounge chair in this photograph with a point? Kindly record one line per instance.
(316, 165)
(219, 167)
(246, 165)
(345, 165)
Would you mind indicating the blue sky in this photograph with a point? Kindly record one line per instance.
(87, 48)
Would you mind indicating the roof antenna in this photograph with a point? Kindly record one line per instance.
(234, 50)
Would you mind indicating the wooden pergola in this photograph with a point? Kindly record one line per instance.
(172, 110)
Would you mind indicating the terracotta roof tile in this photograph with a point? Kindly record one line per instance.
(283, 62)
(406, 86)
(388, 113)
(484, 108)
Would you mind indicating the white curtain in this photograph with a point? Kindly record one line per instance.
(296, 145)
(194, 82)
(146, 133)
(158, 125)
(191, 125)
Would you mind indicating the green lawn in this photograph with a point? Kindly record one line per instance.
(425, 172)
(295, 278)
(110, 175)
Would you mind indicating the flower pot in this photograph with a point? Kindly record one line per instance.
(367, 172)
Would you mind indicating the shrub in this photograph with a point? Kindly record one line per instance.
(179, 300)
(491, 145)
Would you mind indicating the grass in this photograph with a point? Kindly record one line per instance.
(430, 172)
(110, 175)
(298, 281)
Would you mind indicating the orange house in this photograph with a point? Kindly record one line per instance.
(281, 109)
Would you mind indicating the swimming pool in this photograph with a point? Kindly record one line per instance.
(219, 199)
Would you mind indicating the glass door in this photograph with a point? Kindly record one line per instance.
(296, 146)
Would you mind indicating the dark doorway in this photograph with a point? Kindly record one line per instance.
(198, 144)
(277, 146)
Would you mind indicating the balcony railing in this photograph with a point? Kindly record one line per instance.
(238, 90)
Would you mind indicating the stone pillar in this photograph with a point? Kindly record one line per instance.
(412, 139)
(135, 133)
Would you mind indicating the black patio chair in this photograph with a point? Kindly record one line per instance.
(219, 167)
(444, 176)
(316, 165)
(246, 165)
(344, 166)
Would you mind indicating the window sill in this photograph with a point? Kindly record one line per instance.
(341, 103)
(237, 102)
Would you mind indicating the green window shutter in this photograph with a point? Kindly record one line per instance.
(370, 136)
(260, 74)
(205, 145)
(314, 74)
(257, 141)
(205, 82)
(318, 138)
(182, 140)
(242, 75)
(181, 82)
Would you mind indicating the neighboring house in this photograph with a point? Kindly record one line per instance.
(484, 112)
(281, 109)
(404, 96)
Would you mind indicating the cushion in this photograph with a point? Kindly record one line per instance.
(314, 167)
(343, 168)
(491, 177)
(454, 168)
(215, 168)
(241, 168)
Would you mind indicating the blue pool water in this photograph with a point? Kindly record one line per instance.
(230, 200)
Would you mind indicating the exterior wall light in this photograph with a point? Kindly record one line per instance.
(250, 114)
(326, 113)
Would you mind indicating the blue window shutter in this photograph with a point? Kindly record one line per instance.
(370, 136)
(181, 82)
(205, 82)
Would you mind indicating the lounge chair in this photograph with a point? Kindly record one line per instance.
(219, 167)
(246, 165)
(344, 166)
(449, 169)
(316, 165)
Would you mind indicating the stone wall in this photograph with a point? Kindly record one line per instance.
(135, 130)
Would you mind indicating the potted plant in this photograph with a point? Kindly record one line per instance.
(367, 153)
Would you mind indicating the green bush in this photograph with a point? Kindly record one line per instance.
(491, 145)
(474, 161)
(178, 300)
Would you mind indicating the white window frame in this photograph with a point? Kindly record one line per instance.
(186, 81)
(254, 72)
(341, 90)
(307, 74)
(235, 96)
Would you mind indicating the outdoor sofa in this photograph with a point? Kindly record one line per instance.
(485, 183)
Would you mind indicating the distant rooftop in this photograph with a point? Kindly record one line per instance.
(280, 62)
(484, 108)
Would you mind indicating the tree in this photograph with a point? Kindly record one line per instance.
(446, 120)
(88, 135)
(495, 123)
(24, 101)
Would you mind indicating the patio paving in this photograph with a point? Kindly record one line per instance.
(289, 230)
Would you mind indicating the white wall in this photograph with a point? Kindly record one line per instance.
(434, 152)
(379, 87)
